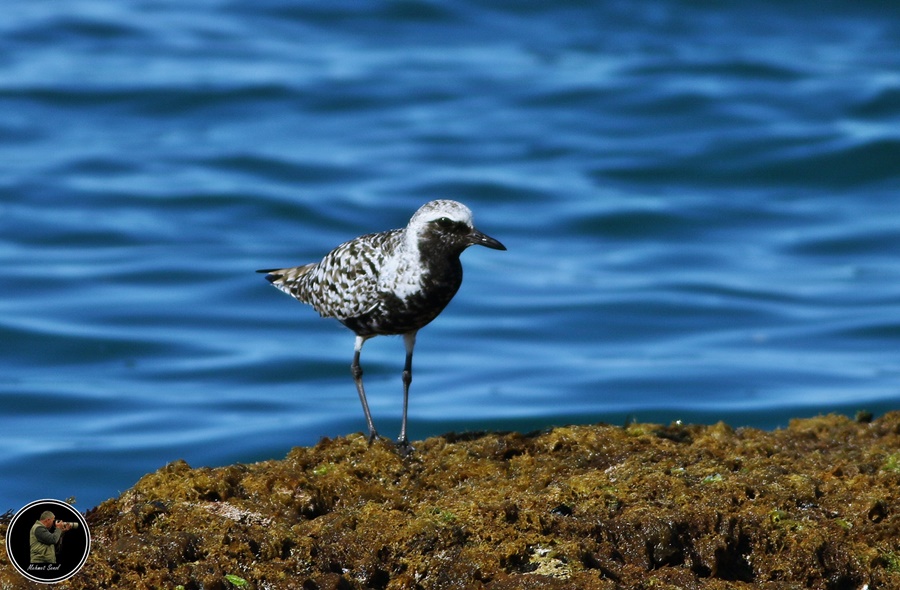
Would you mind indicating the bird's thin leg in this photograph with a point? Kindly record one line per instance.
(357, 378)
(409, 341)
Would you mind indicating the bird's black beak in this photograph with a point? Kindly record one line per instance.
(476, 237)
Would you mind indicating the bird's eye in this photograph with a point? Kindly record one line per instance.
(445, 223)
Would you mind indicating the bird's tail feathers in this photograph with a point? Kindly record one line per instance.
(283, 277)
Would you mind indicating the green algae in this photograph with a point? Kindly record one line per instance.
(597, 507)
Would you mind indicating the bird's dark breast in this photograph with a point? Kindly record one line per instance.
(394, 315)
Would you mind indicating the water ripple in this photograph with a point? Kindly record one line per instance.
(699, 206)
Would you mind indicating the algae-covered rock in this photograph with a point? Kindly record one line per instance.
(814, 505)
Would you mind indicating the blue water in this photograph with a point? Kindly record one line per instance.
(699, 200)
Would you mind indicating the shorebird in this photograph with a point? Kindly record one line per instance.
(389, 283)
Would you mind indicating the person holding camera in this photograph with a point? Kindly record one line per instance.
(43, 542)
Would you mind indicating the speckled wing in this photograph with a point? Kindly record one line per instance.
(344, 284)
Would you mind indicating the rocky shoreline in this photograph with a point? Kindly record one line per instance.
(814, 505)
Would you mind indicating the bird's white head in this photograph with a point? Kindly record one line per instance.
(449, 223)
(443, 208)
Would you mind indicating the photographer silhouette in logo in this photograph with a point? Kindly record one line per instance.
(48, 550)
(46, 535)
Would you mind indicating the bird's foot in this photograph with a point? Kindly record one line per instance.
(404, 448)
